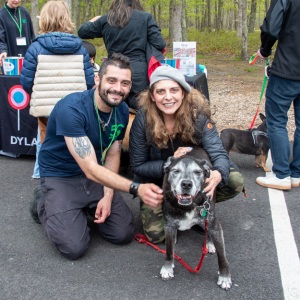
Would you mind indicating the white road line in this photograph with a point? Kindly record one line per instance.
(287, 252)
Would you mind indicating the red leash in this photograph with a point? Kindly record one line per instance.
(143, 239)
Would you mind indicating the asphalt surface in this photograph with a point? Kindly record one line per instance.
(31, 267)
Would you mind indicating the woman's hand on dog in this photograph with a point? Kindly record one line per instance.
(182, 151)
(150, 194)
(214, 179)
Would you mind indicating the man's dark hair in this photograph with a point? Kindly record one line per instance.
(116, 59)
(90, 48)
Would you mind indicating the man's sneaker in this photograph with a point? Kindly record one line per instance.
(295, 182)
(37, 195)
(275, 183)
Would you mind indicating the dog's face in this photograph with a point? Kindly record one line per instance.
(185, 178)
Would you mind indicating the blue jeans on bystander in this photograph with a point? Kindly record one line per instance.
(280, 95)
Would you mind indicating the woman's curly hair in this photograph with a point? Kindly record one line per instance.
(193, 104)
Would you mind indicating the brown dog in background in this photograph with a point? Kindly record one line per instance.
(251, 142)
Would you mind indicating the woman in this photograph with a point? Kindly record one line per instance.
(127, 29)
(173, 118)
(55, 65)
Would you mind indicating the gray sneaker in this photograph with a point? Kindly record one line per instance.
(37, 194)
(275, 183)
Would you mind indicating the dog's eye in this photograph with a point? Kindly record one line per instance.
(176, 171)
(198, 173)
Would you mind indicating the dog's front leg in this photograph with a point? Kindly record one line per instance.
(167, 271)
(224, 280)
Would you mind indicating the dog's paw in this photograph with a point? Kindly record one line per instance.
(167, 272)
(224, 282)
(211, 247)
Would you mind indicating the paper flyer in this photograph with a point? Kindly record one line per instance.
(186, 52)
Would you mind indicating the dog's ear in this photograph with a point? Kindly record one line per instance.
(168, 163)
(262, 116)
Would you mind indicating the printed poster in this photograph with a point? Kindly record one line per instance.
(186, 52)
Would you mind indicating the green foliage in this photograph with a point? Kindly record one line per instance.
(222, 43)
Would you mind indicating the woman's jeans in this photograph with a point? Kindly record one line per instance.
(281, 93)
(36, 169)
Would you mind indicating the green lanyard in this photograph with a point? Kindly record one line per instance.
(103, 153)
(19, 26)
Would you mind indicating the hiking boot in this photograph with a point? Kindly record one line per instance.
(275, 183)
(295, 182)
(37, 195)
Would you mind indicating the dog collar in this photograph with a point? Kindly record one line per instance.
(204, 209)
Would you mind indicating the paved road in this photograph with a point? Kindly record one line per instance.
(262, 242)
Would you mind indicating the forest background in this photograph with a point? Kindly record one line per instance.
(226, 27)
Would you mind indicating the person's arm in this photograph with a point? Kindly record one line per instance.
(29, 69)
(155, 37)
(3, 45)
(91, 29)
(112, 162)
(271, 27)
(83, 152)
(2, 56)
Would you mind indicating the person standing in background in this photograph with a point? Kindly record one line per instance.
(16, 30)
(55, 65)
(16, 34)
(129, 30)
(282, 23)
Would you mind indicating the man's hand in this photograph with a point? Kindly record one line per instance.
(150, 194)
(103, 210)
(2, 56)
(259, 54)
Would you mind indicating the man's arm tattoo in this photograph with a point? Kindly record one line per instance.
(82, 146)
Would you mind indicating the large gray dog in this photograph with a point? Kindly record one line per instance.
(185, 206)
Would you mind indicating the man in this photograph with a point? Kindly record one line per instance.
(16, 30)
(79, 160)
(282, 23)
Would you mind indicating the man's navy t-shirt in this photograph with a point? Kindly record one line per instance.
(75, 116)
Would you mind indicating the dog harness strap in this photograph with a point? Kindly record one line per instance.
(256, 133)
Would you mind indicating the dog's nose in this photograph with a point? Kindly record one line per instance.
(186, 184)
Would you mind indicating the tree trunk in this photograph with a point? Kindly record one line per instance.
(209, 24)
(219, 16)
(34, 13)
(239, 19)
(244, 54)
(183, 21)
(175, 21)
(252, 18)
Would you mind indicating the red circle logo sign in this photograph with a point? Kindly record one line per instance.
(17, 97)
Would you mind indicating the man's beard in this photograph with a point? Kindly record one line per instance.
(104, 96)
